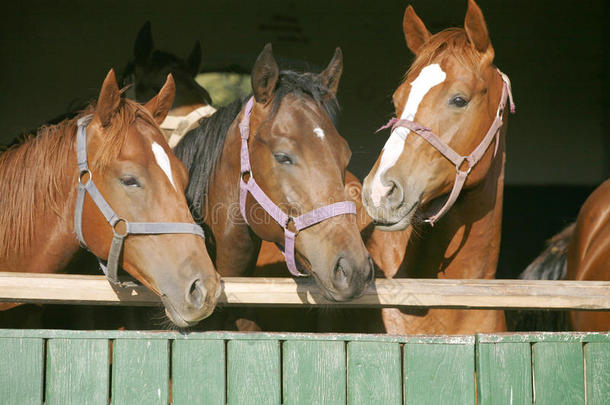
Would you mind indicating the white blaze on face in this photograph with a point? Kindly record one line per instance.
(429, 77)
(163, 161)
(319, 132)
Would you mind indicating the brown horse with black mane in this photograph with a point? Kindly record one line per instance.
(284, 138)
(580, 252)
(107, 175)
(449, 137)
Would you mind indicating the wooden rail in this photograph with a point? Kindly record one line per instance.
(240, 291)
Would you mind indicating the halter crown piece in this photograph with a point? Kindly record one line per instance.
(301, 222)
(454, 157)
(131, 228)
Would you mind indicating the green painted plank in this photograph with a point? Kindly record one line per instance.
(439, 374)
(253, 372)
(140, 371)
(374, 373)
(504, 373)
(510, 337)
(77, 371)
(198, 372)
(597, 361)
(157, 335)
(314, 372)
(558, 373)
(21, 364)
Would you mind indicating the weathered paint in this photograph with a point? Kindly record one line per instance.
(226, 367)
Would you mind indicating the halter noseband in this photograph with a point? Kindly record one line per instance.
(301, 222)
(131, 228)
(454, 157)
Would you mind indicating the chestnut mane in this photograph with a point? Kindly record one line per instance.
(33, 173)
(449, 43)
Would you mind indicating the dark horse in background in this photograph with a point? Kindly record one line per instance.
(579, 252)
(146, 72)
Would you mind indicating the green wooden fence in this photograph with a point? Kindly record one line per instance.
(79, 367)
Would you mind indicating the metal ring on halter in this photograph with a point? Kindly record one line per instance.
(81, 174)
(458, 165)
(116, 223)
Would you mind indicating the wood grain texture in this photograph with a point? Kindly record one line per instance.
(597, 373)
(198, 372)
(504, 373)
(439, 374)
(314, 372)
(242, 291)
(140, 372)
(374, 373)
(253, 372)
(558, 373)
(21, 371)
(77, 371)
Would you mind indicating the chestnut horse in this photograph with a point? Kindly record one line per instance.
(579, 252)
(146, 73)
(47, 198)
(284, 138)
(454, 91)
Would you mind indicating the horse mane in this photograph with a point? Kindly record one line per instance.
(451, 42)
(35, 171)
(201, 149)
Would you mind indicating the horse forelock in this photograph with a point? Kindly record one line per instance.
(450, 43)
(35, 172)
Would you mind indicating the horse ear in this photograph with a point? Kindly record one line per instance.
(332, 74)
(264, 75)
(159, 105)
(143, 46)
(476, 29)
(108, 100)
(194, 60)
(416, 33)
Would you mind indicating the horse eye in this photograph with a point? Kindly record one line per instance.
(283, 159)
(129, 181)
(458, 101)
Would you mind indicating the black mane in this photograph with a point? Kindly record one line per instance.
(201, 149)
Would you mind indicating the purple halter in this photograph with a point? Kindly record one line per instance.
(454, 157)
(302, 221)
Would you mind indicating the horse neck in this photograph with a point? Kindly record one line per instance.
(466, 242)
(52, 243)
(236, 246)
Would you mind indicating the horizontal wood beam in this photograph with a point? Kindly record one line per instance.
(254, 291)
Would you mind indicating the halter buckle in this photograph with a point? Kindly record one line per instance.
(84, 174)
(459, 165)
(116, 231)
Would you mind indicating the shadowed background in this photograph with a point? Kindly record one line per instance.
(558, 148)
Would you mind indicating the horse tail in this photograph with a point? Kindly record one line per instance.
(551, 264)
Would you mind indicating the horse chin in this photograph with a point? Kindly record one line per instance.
(177, 318)
(399, 220)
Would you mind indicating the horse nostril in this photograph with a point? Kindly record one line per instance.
(196, 294)
(394, 195)
(371, 275)
(342, 274)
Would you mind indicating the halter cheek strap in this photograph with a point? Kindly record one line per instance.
(458, 160)
(131, 228)
(301, 222)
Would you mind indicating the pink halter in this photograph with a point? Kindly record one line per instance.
(452, 155)
(302, 221)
